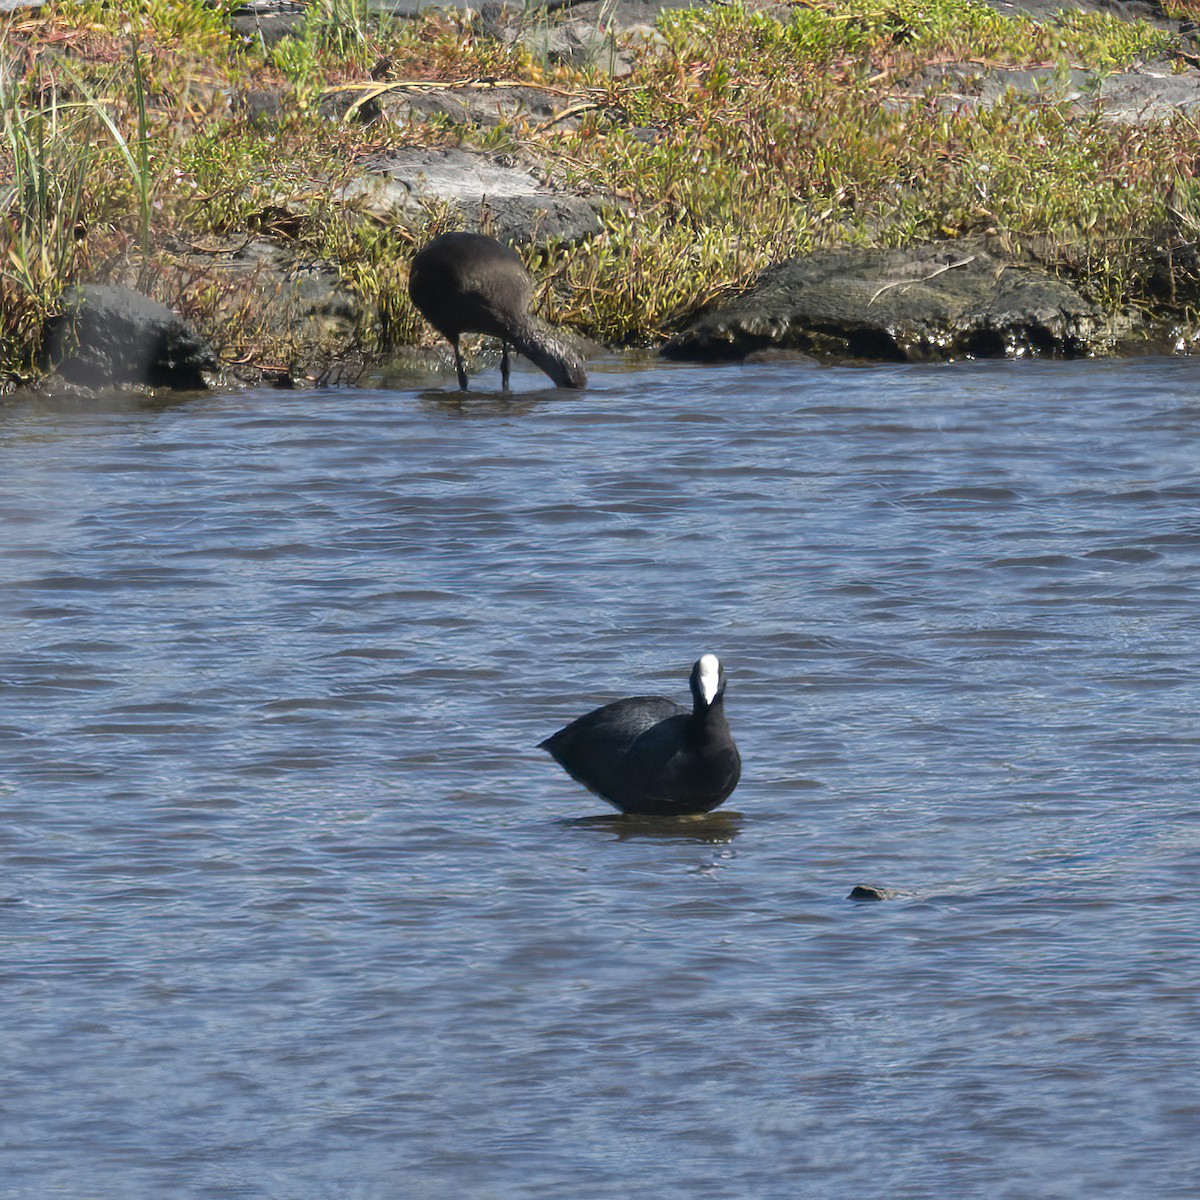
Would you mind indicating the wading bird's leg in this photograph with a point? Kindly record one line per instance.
(459, 367)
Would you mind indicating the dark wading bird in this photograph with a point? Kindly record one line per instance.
(652, 756)
(469, 283)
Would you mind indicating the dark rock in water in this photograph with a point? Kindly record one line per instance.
(868, 891)
(927, 304)
(113, 335)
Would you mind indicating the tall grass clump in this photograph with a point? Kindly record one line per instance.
(79, 177)
(47, 159)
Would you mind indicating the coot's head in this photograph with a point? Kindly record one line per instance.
(707, 681)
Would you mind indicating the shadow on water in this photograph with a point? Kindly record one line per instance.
(711, 828)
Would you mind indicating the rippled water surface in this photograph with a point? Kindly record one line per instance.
(291, 907)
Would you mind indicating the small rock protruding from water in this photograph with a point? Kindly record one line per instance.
(871, 891)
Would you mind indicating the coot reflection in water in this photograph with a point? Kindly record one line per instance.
(710, 828)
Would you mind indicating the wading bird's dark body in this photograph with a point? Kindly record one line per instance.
(650, 755)
(470, 283)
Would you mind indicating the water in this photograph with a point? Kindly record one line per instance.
(292, 908)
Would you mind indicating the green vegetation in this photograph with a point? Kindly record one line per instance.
(828, 129)
(140, 137)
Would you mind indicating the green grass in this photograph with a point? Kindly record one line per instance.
(42, 202)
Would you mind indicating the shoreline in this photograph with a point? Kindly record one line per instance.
(659, 179)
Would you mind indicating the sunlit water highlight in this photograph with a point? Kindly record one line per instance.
(291, 907)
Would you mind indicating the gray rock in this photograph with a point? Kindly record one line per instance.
(413, 8)
(275, 293)
(603, 34)
(268, 20)
(492, 192)
(928, 304)
(1132, 97)
(1142, 97)
(474, 105)
(1074, 87)
(621, 12)
(869, 891)
(262, 106)
(110, 335)
(1047, 10)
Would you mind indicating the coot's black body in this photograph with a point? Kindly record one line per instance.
(652, 756)
(471, 283)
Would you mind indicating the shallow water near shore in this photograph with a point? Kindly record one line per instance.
(292, 907)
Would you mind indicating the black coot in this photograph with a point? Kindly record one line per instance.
(653, 756)
(471, 283)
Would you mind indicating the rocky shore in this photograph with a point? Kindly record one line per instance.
(988, 294)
